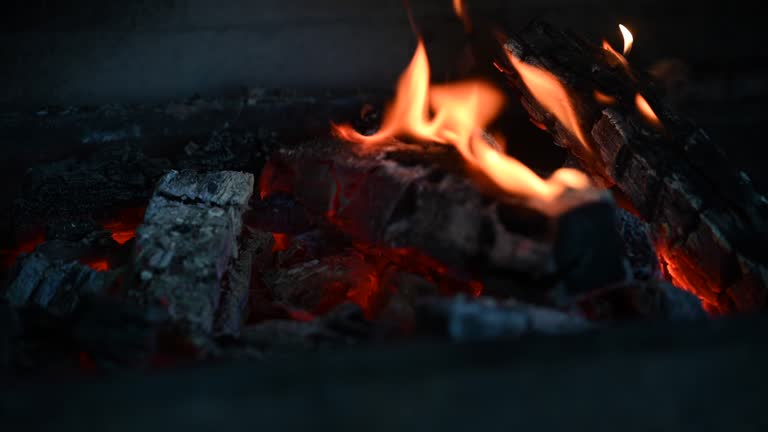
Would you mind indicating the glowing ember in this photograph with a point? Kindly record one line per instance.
(121, 232)
(604, 98)
(9, 256)
(123, 226)
(628, 39)
(677, 276)
(551, 94)
(646, 110)
(100, 264)
(281, 242)
(456, 114)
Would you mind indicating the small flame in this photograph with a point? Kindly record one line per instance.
(461, 12)
(455, 114)
(458, 7)
(551, 94)
(604, 98)
(628, 38)
(619, 57)
(645, 109)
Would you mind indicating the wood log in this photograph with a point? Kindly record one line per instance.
(54, 284)
(465, 320)
(708, 220)
(424, 197)
(187, 243)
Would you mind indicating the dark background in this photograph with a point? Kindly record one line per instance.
(84, 52)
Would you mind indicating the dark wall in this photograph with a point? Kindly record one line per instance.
(90, 51)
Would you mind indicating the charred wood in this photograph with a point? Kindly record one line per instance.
(707, 218)
(54, 285)
(423, 197)
(466, 320)
(187, 244)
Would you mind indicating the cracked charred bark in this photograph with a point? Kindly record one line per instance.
(708, 220)
(188, 242)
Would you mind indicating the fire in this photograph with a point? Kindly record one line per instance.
(551, 94)
(646, 110)
(628, 39)
(461, 12)
(457, 113)
(604, 98)
(458, 7)
(619, 57)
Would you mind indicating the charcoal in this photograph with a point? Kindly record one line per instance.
(111, 178)
(54, 285)
(423, 197)
(486, 319)
(115, 333)
(320, 284)
(638, 245)
(642, 300)
(279, 213)
(188, 241)
(254, 253)
(405, 289)
(343, 325)
(311, 245)
(707, 218)
(71, 230)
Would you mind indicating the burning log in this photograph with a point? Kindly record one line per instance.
(188, 242)
(424, 198)
(708, 220)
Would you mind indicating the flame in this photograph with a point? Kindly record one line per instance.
(551, 94)
(455, 114)
(461, 12)
(628, 38)
(604, 98)
(646, 110)
(619, 57)
(458, 7)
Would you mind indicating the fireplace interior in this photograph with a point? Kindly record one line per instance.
(424, 214)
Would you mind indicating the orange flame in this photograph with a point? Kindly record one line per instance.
(604, 98)
(619, 57)
(628, 38)
(551, 94)
(458, 7)
(646, 110)
(455, 114)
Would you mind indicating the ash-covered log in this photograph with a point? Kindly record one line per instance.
(54, 284)
(187, 245)
(708, 220)
(423, 197)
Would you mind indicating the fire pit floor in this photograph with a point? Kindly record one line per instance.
(629, 378)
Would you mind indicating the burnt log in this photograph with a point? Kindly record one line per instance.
(465, 320)
(708, 219)
(188, 242)
(54, 285)
(254, 251)
(423, 197)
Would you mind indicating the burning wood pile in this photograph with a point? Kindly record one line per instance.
(425, 227)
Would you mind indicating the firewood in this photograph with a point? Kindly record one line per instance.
(54, 285)
(188, 241)
(708, 220)
(424, 197)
